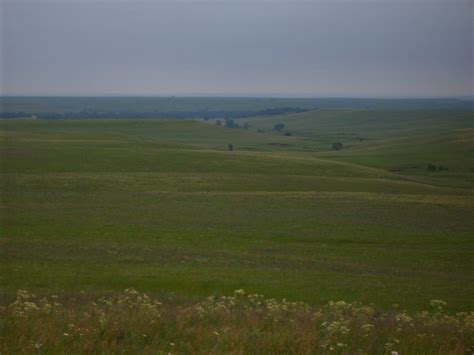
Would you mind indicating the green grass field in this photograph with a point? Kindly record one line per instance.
(164, 207)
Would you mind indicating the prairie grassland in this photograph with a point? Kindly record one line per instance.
(402, 141)
(161, 206)
(92, 207)
(132, 322)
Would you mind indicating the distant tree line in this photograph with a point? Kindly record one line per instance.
(16, 115)
(231, 114)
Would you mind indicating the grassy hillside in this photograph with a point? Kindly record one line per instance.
(401, 141)
(164, 207)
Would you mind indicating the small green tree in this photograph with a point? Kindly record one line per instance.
(229, 123)
(231, 147)
(279, 126)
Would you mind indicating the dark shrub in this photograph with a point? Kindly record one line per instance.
(279, 126)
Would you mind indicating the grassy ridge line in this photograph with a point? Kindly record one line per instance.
(156, 159)
(391, 180)
(392, 140)
(375, 123)
(261, 154)
(191, 132)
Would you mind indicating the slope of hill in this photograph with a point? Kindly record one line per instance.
(164, 207)
(401, 141)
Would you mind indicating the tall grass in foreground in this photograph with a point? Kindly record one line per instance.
(131, 322)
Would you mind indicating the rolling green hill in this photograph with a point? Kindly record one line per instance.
(164, 207)
(401, 141)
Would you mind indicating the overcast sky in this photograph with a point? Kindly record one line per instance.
(359, 48)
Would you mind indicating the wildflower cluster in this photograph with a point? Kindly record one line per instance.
(241, 304)
(134, 322)
(22, 306)
(132, 302)
(341, 321)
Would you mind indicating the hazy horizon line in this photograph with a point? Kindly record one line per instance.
(259, 96)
